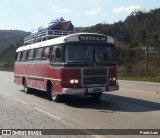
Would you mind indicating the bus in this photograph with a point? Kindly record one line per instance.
(78, 63)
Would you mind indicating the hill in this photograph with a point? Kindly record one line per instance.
(9, 41)
(134, 31)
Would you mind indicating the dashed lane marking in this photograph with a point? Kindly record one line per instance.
(62, 120)
(123, 83)
(4, 93)
(45, 112)
(20, 101)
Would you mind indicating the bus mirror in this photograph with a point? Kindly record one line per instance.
(58, 52)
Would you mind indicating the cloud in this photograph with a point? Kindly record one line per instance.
(63, 10)
(128, 9)
(94, 11)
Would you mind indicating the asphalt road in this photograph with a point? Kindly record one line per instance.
(135, 106)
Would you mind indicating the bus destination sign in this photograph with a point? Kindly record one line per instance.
(92, 38)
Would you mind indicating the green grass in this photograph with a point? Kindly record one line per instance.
(139, 77)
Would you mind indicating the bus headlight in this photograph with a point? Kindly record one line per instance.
(112, 79)
(74, 81)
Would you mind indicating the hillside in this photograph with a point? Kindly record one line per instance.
(9, 41)
(8, 37)
(134, 31)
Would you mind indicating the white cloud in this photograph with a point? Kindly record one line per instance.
(63, 10)
(128, 9)
(94, 11)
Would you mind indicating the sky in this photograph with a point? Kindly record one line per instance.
(28, 14)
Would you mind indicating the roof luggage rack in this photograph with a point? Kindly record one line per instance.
(45, 35)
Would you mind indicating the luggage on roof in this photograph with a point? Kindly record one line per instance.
(55, 28)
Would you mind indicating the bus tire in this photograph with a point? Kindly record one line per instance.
(26, 88)
(54, 96)
(96, 96)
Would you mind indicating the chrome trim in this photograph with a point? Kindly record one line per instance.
(100, 89)
(83, 90)
(73, 90)
(96, 85)
(113, 88)
(39, 78)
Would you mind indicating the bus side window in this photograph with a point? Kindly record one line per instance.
(46, 53)
(53, 55)
(30, 55)
(24, 55)
(40, 52)
(58, 57)
(19, 56)
(36, 54)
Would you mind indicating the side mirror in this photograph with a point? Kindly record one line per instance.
(58, 52)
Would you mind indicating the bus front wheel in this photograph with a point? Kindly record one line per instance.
(55, 97)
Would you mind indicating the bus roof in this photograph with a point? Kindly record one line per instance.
(77, 37)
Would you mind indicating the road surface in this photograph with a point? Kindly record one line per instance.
(135, 106)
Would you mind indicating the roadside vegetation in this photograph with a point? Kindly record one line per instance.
(138, 30)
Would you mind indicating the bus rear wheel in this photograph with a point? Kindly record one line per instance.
(96, 96)
(26, 89)
(54, 96)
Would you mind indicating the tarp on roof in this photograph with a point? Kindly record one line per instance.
(55, 24)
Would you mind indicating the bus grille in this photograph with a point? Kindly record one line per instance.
(94, 76)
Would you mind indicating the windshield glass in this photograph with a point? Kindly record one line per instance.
(90, 52)
(80, 53)
(104, 53)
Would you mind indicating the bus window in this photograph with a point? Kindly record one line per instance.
(46, 53)
(58, 57)
(30, 54)
(104, 53)
(36, 54)
(53, 55)
(24, 55)
(19, 56)
(80, 53)
(40, 53)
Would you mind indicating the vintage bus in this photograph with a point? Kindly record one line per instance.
(80, 63)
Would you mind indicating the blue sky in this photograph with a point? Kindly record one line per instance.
(28, 14)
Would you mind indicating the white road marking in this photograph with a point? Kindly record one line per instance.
(62, 120)
(20, 101)
(127, 84)
(4, 93)
(45, 112)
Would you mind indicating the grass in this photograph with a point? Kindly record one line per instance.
(139, 77)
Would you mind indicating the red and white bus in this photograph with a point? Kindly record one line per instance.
(80, 63)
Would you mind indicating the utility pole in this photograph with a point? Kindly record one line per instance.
(146, 53)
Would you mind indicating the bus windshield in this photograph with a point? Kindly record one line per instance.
(80, 53)
(90, 52)
(104, 53)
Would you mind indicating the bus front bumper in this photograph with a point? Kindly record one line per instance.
(88, 90)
